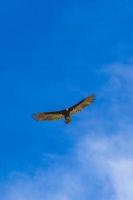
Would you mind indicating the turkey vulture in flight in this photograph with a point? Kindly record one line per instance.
(66, 113)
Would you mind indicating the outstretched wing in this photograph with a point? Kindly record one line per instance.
(48, 115)
(79, 106)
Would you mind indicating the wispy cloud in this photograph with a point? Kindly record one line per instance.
(101, 162)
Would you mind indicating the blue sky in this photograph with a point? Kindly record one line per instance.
(54, 53)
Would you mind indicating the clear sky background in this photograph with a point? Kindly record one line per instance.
(53, 54)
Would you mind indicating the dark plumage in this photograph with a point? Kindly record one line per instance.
(66, 113)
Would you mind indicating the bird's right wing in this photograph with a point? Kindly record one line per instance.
(79, 106)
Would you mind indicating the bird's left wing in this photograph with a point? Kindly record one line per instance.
(48, 115)
(79, 106)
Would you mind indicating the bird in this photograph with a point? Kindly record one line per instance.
(66, 113)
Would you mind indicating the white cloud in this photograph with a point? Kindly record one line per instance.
(101, 163)
(111, 161)
(121, 172)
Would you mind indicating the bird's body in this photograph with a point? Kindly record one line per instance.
(66, 113)
(67, 116)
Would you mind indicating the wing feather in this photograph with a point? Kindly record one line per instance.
(48, 116)
(79, 106)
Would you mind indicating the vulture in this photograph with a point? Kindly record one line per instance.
(66, 113)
